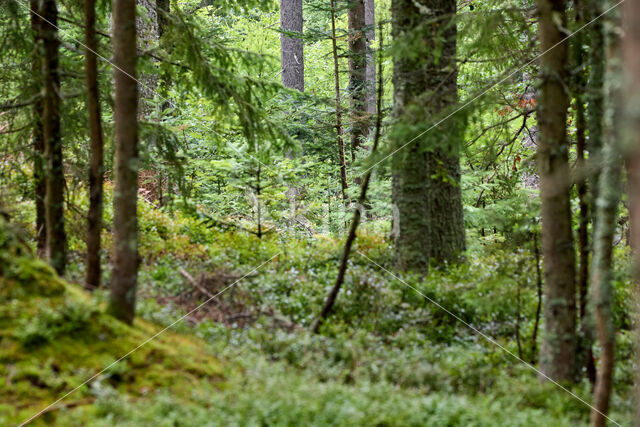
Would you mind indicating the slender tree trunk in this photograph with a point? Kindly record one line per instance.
(357, 213)
(631, 139)
(558, 351)
(601, 280)
(94, 217)
(357, 74)
(428, 218)
(585, 352)
(336, 74)
(39, 180)
(594, 124)
(536, 324)
(292, 48)
(125, 240)
(370, 22)
(54, 201)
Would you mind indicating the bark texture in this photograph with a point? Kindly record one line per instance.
(558, 352)
(39, 182)
(125, 241)
(370, 22)
(601, 281)
(357, 74)
(428, 220)
(94, 217)
(292, 48)
(54, 171)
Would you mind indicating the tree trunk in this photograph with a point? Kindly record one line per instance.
(357, 74)
(428, 220)
(579, 82)
(594, 124)
(94, 217)
(558, 350)
(147, 36)
(370, 22)
(292, 48)
(125, 242)
(54, 200)
(336, 76)
(631, 139)
(39, 180)
(601, 280)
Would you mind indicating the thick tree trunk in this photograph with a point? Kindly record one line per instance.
(54, 201)
(94, 217)
(39, 180)
(370, 22)
(428, 220)
(125, 240)
(558, 350)
(631, 138)
(357, 74)
(292, 48)
(336, 78)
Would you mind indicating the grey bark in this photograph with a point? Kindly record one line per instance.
(292, 48)
(370, 22)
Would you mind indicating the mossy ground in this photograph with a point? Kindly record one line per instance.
(53, 337)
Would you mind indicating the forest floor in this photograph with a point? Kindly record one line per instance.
(385, 357)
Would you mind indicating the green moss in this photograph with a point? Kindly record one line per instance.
(53, 337)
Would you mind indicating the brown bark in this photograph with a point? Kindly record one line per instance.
(336, 76)
(558, 352)
(94, 217)
(39, 181)
(292, 48)
(125, 241)
(631, 139)
(357, 214)
(54, 200)
(357, 74)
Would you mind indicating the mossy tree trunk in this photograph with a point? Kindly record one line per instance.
(125, 239)
(54, 170)
(428, 219)
(558, 352)
(370, 22)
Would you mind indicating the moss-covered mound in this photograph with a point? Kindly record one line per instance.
(53, 337)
